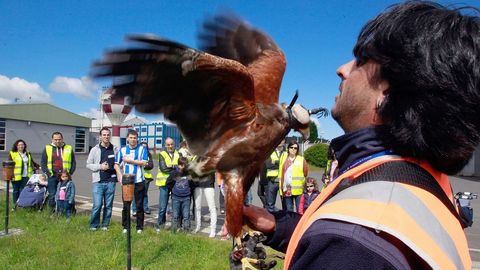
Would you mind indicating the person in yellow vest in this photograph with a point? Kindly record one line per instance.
(293, 169)
(56, 157)
(272, 176)
(24, 167)
(408, 104)
(167, 163)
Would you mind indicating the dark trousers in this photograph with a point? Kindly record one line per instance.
(262, 190)
(52, 190)
(139, 194)
(272, 193)
(17, 188)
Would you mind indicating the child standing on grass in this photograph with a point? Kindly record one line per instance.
(65, 197)
(310, 192)
(181, 184)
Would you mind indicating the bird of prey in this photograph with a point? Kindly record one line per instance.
(223, 98)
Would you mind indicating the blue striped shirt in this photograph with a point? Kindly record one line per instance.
(137, 153)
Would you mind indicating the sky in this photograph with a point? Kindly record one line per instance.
(47, 47)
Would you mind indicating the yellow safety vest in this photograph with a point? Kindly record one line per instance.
(161, 176)
(273, 173)
(18, 169)
(413, 215)
(148, 173)
(298, 176)
(66, 157)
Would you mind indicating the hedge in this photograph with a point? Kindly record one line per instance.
(317, 155)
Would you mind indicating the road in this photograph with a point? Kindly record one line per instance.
(82, 178)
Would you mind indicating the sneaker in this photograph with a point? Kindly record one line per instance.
(212, 234)
(197, 229)
(104, 228)
(93, 229)
(124, 231)
(134, 214)
(139, 231)
(148, 212)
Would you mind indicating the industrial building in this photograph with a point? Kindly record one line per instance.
(35, 123)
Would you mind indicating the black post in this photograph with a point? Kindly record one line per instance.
(7, 207)
(129, 237)
(7, 176)
(128, 186)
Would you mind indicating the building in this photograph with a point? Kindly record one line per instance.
(155, 134)
(35, 123)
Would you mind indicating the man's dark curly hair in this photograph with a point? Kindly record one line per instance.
(430, 55)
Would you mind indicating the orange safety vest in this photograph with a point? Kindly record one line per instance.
(443, 246)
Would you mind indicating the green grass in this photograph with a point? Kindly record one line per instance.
(53, 243)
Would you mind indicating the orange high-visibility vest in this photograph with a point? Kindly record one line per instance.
(411, 214)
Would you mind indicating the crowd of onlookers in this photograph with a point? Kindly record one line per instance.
(180, 193)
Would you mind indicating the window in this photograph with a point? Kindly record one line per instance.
(158, 142)
(80, 140)
(2, 134)
(143, 139)
(159, 129)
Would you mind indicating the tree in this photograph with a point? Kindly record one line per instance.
(317, 155)
(313, 132)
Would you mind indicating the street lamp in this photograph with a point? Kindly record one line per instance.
(7, 176)
(128, 186)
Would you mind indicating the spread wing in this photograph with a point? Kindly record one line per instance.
(230, 37)
(206, 95)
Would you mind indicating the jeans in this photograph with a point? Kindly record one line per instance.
(287, 203)
(248, 198)
(52, 190)
(17, 188)
(181, 209)
(64, 208)
(272, 191)
(146, 209)
(139, 193)
(210, 196)
(162, 205)
(103, 194)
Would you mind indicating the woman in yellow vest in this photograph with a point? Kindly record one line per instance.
(24, 167)
(292, 172)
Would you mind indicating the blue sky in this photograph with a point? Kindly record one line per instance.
(47, 47)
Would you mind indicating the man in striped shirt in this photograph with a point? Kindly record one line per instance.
(130, 160)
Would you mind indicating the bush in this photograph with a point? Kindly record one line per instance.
(317, 155)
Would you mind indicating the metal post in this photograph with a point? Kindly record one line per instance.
(7, 206)
(7, 176)
(128, 186)
(129, 237)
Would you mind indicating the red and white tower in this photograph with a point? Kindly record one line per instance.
(116, 108)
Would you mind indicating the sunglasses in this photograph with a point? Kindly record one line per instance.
(310, 186)
(291, 147)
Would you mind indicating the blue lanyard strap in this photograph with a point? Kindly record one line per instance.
(365, 159)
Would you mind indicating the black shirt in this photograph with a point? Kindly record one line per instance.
(107, 154)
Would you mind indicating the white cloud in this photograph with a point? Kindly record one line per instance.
(19, 90)
(83, 87)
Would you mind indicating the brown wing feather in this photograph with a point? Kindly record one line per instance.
(230, 37)
(202, 93)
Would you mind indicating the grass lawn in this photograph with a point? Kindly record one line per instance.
(53, 243)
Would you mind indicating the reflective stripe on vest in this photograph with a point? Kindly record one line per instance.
(18, 169)
(412, 215)
(66, 157)
(275, 158)
(161, 180)
(298, 177)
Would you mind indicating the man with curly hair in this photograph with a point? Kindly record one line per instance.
(409, 106)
